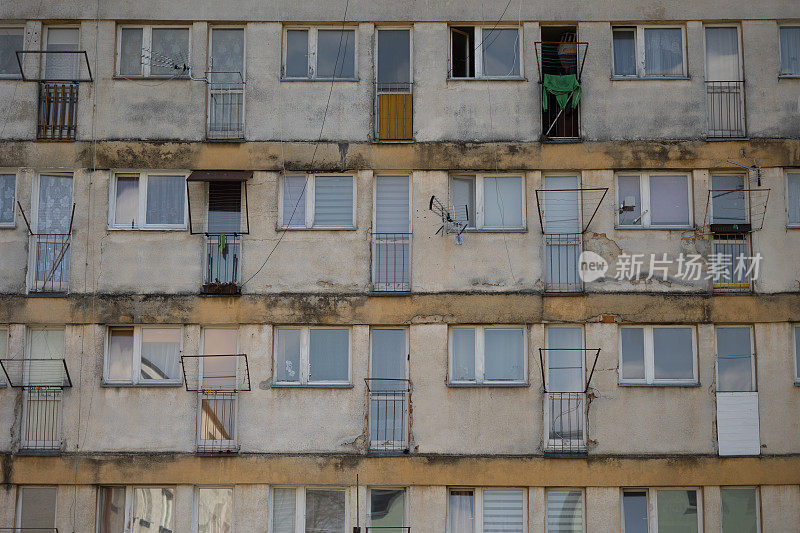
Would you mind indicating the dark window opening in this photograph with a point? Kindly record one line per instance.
(463, 52)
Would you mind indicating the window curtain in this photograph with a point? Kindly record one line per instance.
(669, 200)
(283, 510)
(502, 198)
(561, 207)
(324, 511)
(224, 207)
(62, 66)
(391, 204)
(227, 55)
(463, 354)
(625, 52)
(287, 355)
(790, 50)
(7, 198)
(170, 48)
(663, 54)
(160, 353)
(333, 201)
(131, 52)
(55, 204)
(722, 54)
(565, 511)
(165, 199)
(462, 511)
(503, 511)
(794, 198)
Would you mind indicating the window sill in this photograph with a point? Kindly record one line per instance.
(789, 76)
(650, 78)
(489, 78)
(657, 228)
(141, 385)
(7, 226)
(10, 77)
(153, 78)
(792, 226)
(495, 230)
(321, 79)
(284, 385)
(658, 385)
(120, 228)
(289, 228)
(485, 384)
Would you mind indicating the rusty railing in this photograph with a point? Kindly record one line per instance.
(565, 422)
(732, 262)
(389, 414)
(725, 107)
(58, 111)
(222, 263)
(216, 432)
(391, 262)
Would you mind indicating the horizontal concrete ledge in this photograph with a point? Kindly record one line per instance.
(445, 307)
(445, 155)
(339, 469)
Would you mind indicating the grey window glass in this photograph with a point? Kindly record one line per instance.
(169, 55)
(734, 360)
(561, 204)
(284, 503)
(153, 509)
(55, 204)
(294, 201)
(394, 56)
(287, 355)
(669, 200)
(797, 352)
(111, 510)
(227, 55)
(464, 199)
(739, 510)
(461, 511)
(130, 56)
(165, 200)
(214, 510)
(328, 356)
(677, 511)
(324, 511)
(336, 54)
(502, 197)
(126, 208)
(503, 511)
(7, 182)
(625, 52)
(37, 508)
(62, 66)
(296, 54)
(463, 354)
(663, 51)
(634, 507)
(629, 195)
(565, 511)
(793, 198)
(333, 201)
(11, 40)
(387, 509)
(565, 360)
(790, 50)
(387, 419)
(728, 200)
(503, 354)
(632, 353)
(673, 357)
(500, 52)
(389, 355)
(120, 353)
(161, 349)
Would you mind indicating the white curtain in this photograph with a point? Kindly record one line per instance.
(663, 51)
(462, 511)
(502, 199)
(283, 510)
(160, 353)
(55, 204)
(328, 355)
(463, 354)
(287, 355)
(130, 63)
(294, 201)
(324, 511)
(503, 511)
(625, 52)
(333, 201)
(790, 50)
(214, 510)
(62, 66)
(561, 204)
(165, 199)
(722, 54)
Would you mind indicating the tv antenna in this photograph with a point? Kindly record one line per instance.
(454, 219)
(755, 168)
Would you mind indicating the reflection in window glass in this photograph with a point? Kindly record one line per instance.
(11, 40)
(790, 50)
(677, 511)
(502, 201)
(673, 356)
(387, 508)
(336, 53)
(565, 511)
(214, 510)
(152, 509)
(325, 510)
(739, 510)
(503, 510)
(500, 52)
(111, 510)
(734, 360)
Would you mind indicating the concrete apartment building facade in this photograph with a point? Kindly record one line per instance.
(230, 302)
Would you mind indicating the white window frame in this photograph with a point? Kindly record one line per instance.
(780, 47)
(305, 354)
(480, 208)
(147, 44)
(25, 443)
(300, 504)
(136, 362)
(31, 272)
(755, 488)
(649, 356)
(18, 510)
(639, 55)
(652, 505)
(406, 500)
(647, 497)
(795, 337)
(13, 172)
(128, 511)
(196, 504)
(5, 340)
(141, 225)
(310, 192)
(13, 27)
(753, 376)
(201, 395)
(789, 171)
(547, 491)
(477, 505)
(644, 194)
(313, 31)
(480, 355)
(477, 51)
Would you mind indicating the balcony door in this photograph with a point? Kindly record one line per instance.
(218, 397)
(724, 82)
(393, 86)
(391, 251)
(223, 229)
(50, 244)
(388, 389)
(565, 406)
(226, 84)
(562, 233)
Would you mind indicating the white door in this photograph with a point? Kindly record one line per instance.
(724, 82)
(737, 399)
(562, 229)
(51, 245)
(391, 251)
(389, 392)
(226, 83)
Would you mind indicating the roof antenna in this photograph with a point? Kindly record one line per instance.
(755, 168)
(454, 219)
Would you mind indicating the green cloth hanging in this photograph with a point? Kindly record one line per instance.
(561, 86)
(222, 244)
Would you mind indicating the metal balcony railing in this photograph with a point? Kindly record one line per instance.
(725, 108)
(389, 414)
(387, 529)
(51, 262)
(731, 264)
(562, 268)
(28, 530)
(222, 263)
(394, 111)
(560, 59)
(42, 420)
(225, 110)
(58, 111)
(391, 262)
(216, 432)
(565, 422)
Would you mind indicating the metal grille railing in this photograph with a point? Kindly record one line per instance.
(562, 268)
(387, 529)
(725, 107)
(394, 111)
(217, 423)
(565, 422)
(42, 420)
(389, 414)
(731, 264)
(223, 263)
(225, 111)
(561, 124)
(391, 261)
(58, 111)
(51, 262)
(28, 529)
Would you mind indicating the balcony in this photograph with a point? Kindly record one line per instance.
(391, 262)
(389, 414)
(725, 110)
(225, 107)
(222, 263)
(562, 269)
(394, 110)
(560, 62)
(49, 259)
(731, 263)
(58, 111)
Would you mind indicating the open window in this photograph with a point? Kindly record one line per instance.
(560, 57)
(488, 52)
